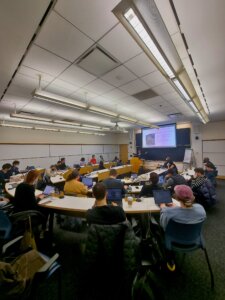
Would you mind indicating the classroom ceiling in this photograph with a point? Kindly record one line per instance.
(116, 69)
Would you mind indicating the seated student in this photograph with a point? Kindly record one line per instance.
(82, 162)
(93, 160)
(153, 184)
(101, 165)
(188, 212)
(169, 164)
(113, 183)
(102, 213)
(50, 172)
(25, 193)
(172, 180)
(74, 186)
(58, 164)
(209, 163)
(15, 168)
(116, 159)
(203, 189)
(101, 158)
(63, 165)
(210, 170)
(5, 173)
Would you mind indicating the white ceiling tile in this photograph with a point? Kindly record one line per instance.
(35, 106)
(27, 82)
(164, 88)
(35, 74)
(140, 65)
(99, 87)
(44, 61)
(115, 94)
(77, 76)
(171, 96)
(59, 89)
(65, 85)
(119, 76)
(94, 18)
(83, 95)
(62, 38)
(20, 91)
(15, 102)
(154, 100)
(134, 87)
(120, 44)
(153, 79)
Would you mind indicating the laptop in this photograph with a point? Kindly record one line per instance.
(87, 181)
(48, 190)
(114, 195)
(134, 176)
(162, 196)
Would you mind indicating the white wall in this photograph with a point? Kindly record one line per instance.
(29, 146)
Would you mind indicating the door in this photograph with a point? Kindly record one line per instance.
(124, 153)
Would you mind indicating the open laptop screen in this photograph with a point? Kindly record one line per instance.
(114, 195)
(162, 196)
(87, 181)
(48, 190)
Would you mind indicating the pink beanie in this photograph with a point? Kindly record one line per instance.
(184, 192)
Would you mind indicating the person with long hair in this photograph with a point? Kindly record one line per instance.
(74, 186)
(25, 193)
(153, 184)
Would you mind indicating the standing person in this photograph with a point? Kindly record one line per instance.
(172, 180)
(210, 170)
(74, 186)
(15, 168)
(93, 160)
(101, 158)
(102, 213)
(82, 162)
(25, 193)
(153, 184)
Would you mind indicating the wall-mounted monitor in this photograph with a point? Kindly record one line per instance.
(164, 137)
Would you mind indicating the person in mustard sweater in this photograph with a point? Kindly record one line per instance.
(74, 186)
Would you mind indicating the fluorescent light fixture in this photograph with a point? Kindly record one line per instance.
(106, 128)
(66, 123)
(127, 118)
(136, 24)
(29, 117)
(193, 106)
(64, 130)
(85, 132)
(16, 126)
(99, 134)
(90, 126)
(148, 125)
(181, 89)
(103, 111)
(45, 128)
(201, 117)
(50, 97)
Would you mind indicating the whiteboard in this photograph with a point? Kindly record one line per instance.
(64, 150)
(187, 156)
(214, 146)
(215, 150)
(92, 149)
(110, 148)
(15, 151)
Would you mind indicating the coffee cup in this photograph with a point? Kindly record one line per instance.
(130, 200)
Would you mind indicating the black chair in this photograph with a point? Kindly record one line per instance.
(185, 238)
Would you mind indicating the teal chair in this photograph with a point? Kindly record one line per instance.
(185, 238)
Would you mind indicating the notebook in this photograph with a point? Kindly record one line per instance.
(87, 181)
(162, 196)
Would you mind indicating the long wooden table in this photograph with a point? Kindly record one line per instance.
(11, 190)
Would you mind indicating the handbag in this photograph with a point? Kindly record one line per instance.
(28, 240)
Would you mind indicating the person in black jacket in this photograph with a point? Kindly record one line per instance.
(147, 189)
(171, 180)
(102, 213)
(25, 193)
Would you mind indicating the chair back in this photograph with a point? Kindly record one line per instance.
(5, 226)
(180, 236)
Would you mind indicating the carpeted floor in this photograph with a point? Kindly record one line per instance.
(192, 283)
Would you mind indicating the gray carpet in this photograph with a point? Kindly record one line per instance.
(192, 283)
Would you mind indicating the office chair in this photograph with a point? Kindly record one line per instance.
(5, 228)
(48, 270)
(186, 238)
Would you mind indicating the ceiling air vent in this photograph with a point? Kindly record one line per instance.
(175, 115)
(147, 94)
(97, 62)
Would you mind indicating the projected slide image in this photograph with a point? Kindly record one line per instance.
(164, 136)
(150, 139)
